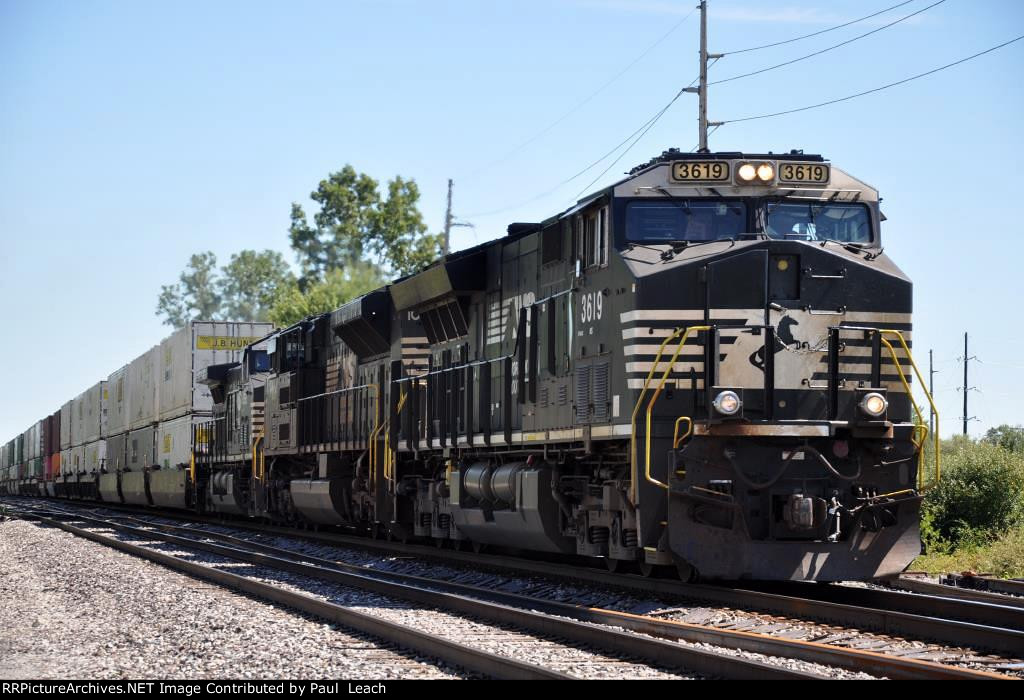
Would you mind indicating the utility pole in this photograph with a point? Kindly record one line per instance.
(450, 222)
(931, 392)
(702, 90)
(966, 360)
(447, 222)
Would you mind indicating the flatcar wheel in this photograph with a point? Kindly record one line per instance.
(440, 542)
(478, 547)
(376, 531)
(647, 570)
(614, 565)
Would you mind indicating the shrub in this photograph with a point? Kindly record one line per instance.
(980, 496)
(1003, 557)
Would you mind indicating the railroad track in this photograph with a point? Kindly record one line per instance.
(480, 602)
(942, 619)
(996, 591)
(506, 627)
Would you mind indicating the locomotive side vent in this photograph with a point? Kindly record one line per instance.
(582, 403)
(599, 393)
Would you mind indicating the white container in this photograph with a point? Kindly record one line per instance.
(94, 456)
(143, 385)
(77, 420)
(95, 410)
(65, 426)
(33, 442)
(196, 346)
(77, 460)
(174, 443)
(118, 403)
(141, 449)
(66, 466)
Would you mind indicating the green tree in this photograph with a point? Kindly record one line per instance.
(353, 220)
(340, 285)
(251, 283)
(195, 294)
(1009, 437)
(243, 290)
(401, 239)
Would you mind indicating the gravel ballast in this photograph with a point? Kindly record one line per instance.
(73, 609)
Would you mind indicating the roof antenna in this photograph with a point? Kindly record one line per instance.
(702, 89)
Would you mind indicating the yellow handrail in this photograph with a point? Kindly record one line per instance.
(373, 434)
(389, 461)
(255, 471)
(920, 417)
(192, 466)
(636, 409)
(675, 432)
(654, 398)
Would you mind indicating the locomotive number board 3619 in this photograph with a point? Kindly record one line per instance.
(700, 171)
(814, 173)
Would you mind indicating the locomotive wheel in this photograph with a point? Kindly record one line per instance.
(614, 565)
(647, 570)
(687, 573)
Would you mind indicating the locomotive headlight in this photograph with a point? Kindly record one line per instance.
(873, 405)
(765, 172)
(747, 172)
(727, 403)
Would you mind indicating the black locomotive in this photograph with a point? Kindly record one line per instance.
(705, 365)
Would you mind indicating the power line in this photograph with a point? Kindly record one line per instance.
(643, 128)
(873, 90)
(587, 99)
(818, 33)
(827, 49)
(650, 125)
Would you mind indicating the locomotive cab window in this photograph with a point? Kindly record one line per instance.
(591, 237)
(818, 221)
(684, 220)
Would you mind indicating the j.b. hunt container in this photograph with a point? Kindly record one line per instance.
(196, 346)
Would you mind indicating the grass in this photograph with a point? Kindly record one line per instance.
(1004, 558)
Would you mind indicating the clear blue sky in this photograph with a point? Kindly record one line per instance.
(133, 134)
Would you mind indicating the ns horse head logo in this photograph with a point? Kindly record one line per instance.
(783, 338)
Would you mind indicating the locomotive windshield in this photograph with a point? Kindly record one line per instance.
(684, 220)
(817, 221)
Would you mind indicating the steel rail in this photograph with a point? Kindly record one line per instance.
(956, 630)
(410, 638)
(655, 651)
(993, 595)
(933, 603)
(851, 659)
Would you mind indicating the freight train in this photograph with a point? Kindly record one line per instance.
(704, 366)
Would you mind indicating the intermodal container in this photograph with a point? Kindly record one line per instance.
(65, 425)
(196, 346)
(143, 385)
(119, 402)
